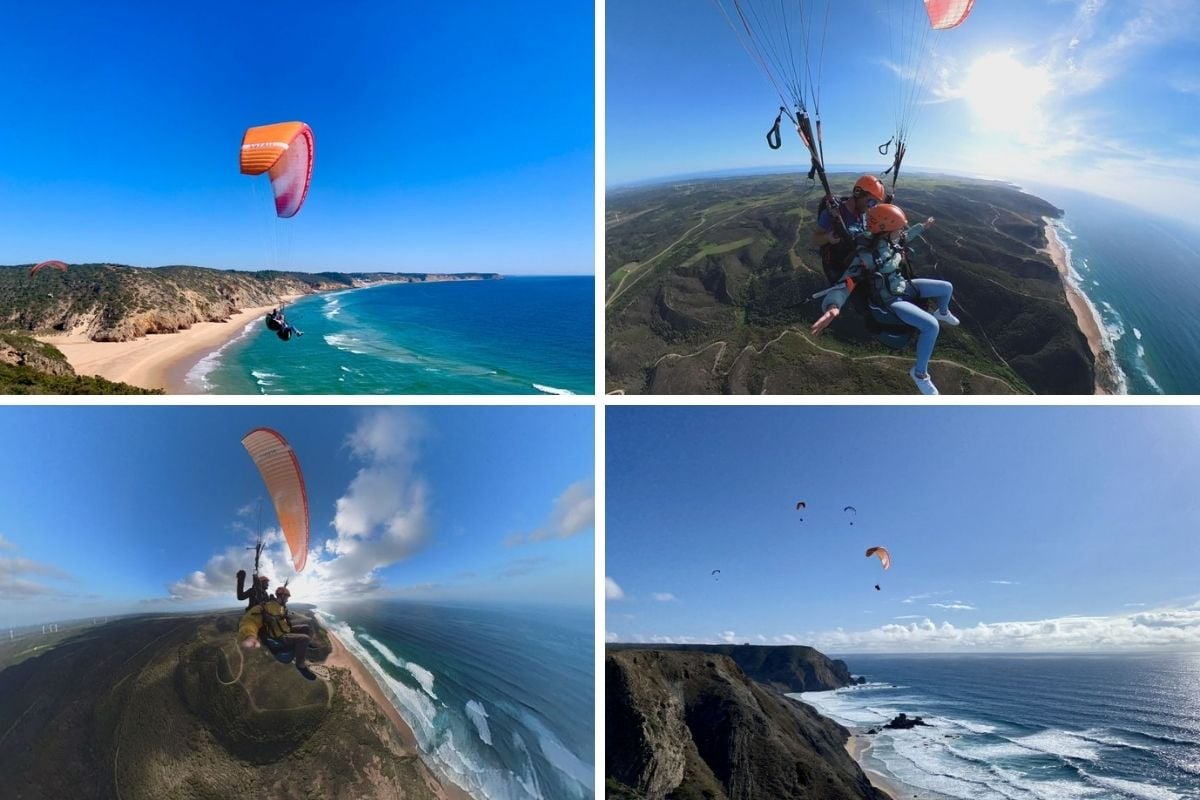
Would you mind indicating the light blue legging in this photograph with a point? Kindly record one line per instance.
(927, 327)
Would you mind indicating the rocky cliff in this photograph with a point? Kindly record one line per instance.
(785, 669)
(114, 303)
(685, 723)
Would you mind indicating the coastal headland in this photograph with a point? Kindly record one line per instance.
(146, 327)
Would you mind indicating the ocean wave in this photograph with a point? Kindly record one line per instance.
(1064, 744)
(345, 343)
(548, 389)
(421, 712)
(530, 780)
(1140, 791)
(558, 754)
(973, 727)
(197, 376)
(423, 676)
(477, 714)
(1110, 330)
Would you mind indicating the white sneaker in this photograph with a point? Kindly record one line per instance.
(925, 384)
(946, 318)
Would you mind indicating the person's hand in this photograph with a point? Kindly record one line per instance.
(241, 575)
(823, 323)
(251, 643)
(929, 222)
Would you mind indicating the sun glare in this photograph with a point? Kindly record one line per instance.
(1005, 94)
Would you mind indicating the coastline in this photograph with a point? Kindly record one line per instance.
(342, 657)
(1108, 378)
(859, 747)
(155, 361)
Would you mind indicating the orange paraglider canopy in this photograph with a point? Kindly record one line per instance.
(285, 152)
(280, 470)
(882, 554)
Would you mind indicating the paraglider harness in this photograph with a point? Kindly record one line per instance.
(879, 320)
(883, 323)
(278, 649)
(282, 652)
(277, 323)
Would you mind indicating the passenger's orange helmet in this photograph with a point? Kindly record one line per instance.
(872, 187)
(886, 218)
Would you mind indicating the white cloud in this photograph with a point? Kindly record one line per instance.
(957, 605)
(218, 578)
(914, 598)
(5, 544)
(1163, 628)
(611, 590)
(574, 512)
(611, 636)
(382, 517)
(664, 597)
(1005, 583)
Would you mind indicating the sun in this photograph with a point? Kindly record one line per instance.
(1006, 94)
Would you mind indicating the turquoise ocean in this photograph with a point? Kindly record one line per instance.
(501, 700)
(528, 335)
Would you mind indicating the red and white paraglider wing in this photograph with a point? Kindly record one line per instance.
(944, 14)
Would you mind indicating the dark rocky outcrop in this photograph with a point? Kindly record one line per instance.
(903, 722)
(691, 724)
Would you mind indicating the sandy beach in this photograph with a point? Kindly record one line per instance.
(859, 746)
(1084, 314)
(158, 361)
(341, 657)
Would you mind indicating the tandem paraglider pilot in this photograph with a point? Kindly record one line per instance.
(878, 261)
(270, 624)
(257, 594)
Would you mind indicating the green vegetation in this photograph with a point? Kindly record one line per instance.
(709, 285)
(28, 366)
(111, 302)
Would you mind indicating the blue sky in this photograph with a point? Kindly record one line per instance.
(1097, 95)
(447, 138)
(113, 510)
(1039, 528)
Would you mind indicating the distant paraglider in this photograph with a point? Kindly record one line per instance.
(884, 557)
(853, 513)
(800, 506)
(882, 554)
(58, 265)
(715, 574)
